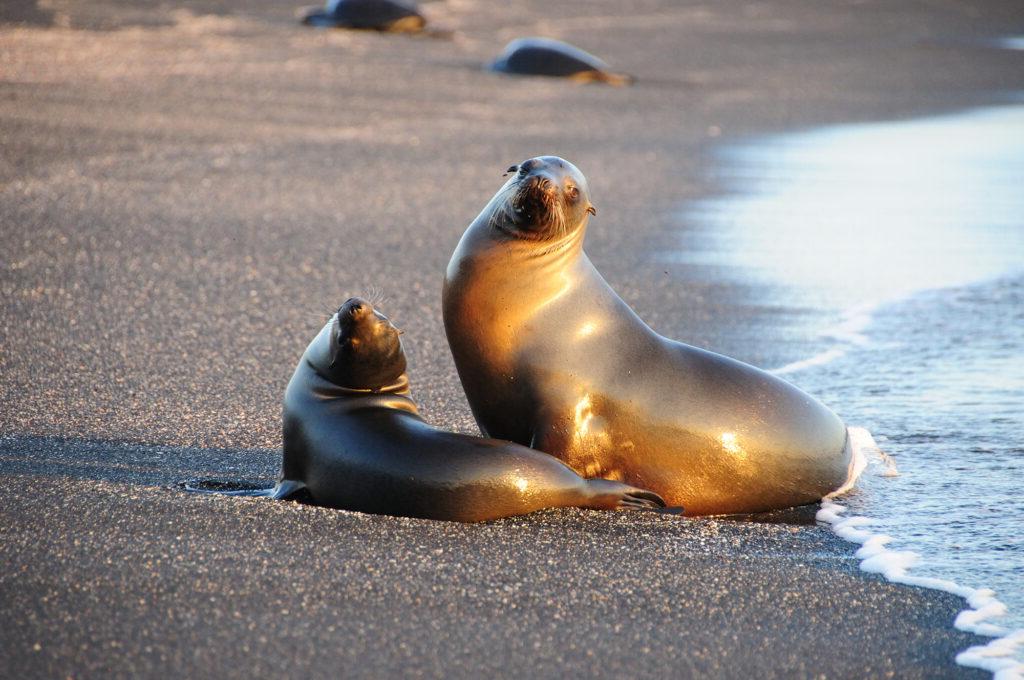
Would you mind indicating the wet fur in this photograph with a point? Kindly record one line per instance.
(523, 203)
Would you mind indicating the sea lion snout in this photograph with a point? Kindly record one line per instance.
(547, 199)
(356, 308)
(541, 185)
(365, 350)
(554, 175)
(526, 166)
(538, 172)
(357, 313)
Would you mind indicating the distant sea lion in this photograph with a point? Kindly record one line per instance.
(376, 15)
(353, 439)
(547, 57)
(551, 357)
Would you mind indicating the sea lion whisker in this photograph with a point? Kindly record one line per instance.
(375, 296)
(317, 314)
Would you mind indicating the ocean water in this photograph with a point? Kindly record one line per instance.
(898, 250)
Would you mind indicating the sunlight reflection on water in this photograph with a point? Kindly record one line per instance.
(867, 213)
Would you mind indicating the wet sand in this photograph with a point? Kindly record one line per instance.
(186, 194)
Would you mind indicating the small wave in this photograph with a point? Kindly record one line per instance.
(1012, 42)
(825, 357)
(998, 656)
(848, 333)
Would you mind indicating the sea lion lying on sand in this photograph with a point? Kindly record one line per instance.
(546, 57)
(375, 15)
(354, 439)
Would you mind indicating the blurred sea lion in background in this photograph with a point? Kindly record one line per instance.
(375, 15)
(547, 57)
(552, 358)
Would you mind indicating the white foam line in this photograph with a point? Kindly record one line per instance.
(848, 332)
(1014, 42)
(825, 357)
(998, 656)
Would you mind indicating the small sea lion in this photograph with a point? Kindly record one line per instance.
(552, 358)
(354, 439)
(547, 57)
(375, 15)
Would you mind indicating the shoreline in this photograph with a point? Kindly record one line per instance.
(848, 324)
(242, 143)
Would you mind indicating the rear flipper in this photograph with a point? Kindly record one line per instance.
(607, 494)
(283, 490)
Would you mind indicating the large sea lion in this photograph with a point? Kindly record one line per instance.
(551, 357)
(547, 57)
(354, 439)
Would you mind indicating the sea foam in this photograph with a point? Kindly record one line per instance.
(999, 656)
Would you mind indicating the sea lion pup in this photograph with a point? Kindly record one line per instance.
(551, 357)
(375, 15)
(547, 57)
(353, 439)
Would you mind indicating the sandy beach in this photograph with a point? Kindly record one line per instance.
(187, 193)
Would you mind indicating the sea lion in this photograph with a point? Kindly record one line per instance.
(354, 439)
(551, 357)
(547, 57)
(376, 15)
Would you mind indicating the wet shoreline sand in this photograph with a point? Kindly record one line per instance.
(187, 193)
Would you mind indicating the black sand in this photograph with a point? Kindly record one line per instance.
(186, 194)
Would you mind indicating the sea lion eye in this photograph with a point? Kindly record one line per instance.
(573, 193)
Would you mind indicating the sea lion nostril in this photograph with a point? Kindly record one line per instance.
(356, 309)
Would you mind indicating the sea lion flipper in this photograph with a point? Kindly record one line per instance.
(222, 487)
(647, 499)
(284, 489)
(607, 494)
(287, 489)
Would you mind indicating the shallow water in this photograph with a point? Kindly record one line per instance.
(1013, 42)
(899, 249)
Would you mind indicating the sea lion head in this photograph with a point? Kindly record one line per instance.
(546, 198)
(366, 350)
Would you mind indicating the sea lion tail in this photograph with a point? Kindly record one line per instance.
(283, 490)
(615, 79)
(618, 79)
(318, 17)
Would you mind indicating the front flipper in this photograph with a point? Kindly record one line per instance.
(283, 490)
(288, 489)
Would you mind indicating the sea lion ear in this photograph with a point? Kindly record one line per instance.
(333, 352)
(511, 168)
(592, 210)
